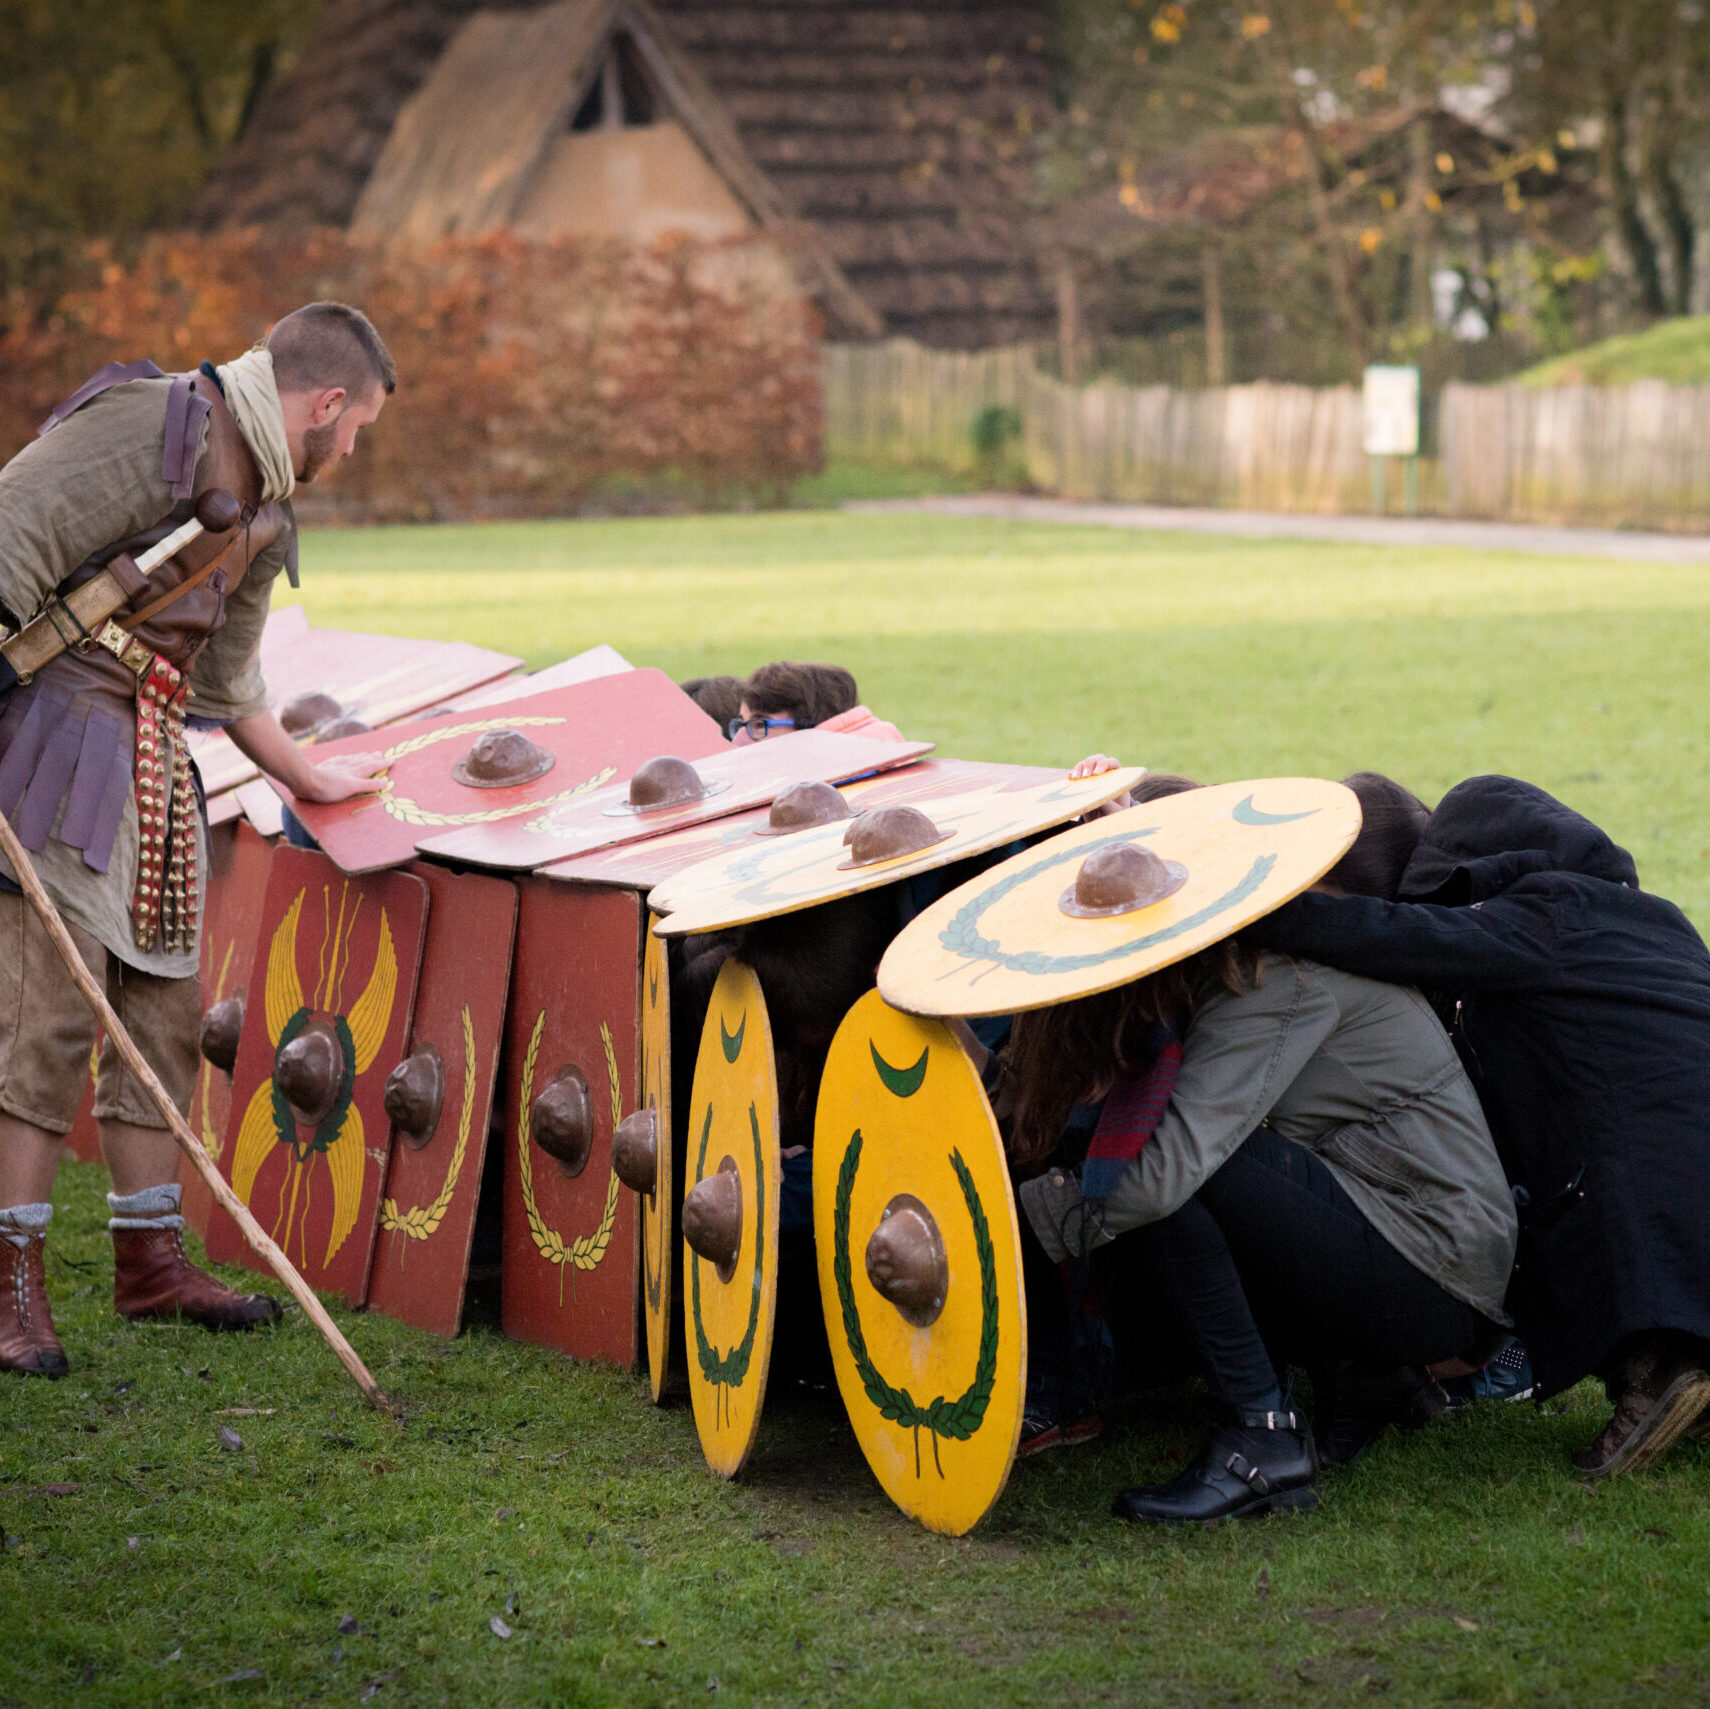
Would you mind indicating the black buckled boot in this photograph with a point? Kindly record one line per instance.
(1264, 1462)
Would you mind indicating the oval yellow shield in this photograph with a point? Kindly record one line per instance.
(730, 1208)
(919, 1264)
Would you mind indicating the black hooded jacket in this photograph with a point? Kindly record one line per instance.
(1581, 1007)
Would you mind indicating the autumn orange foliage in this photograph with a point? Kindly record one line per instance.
(534, 378)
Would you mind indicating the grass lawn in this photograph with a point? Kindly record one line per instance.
(332, 1557)
(1676, 350)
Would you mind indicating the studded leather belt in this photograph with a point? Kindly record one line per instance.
(166, 899)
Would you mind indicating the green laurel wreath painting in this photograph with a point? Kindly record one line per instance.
(956, 1419)
(284, 1121)
(726, 1371)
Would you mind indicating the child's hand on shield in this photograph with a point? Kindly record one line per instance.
(1095, 765)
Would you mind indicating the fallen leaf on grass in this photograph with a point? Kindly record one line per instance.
(513, 1605)
(713, 1682)
(242, 1673)
(123, 1388)
(1465, 1624)
(505, 1513)
(377, 1682)
(498, 1627)
(651, 1643)
(349, 1624)
(230, 1440)
(57, 1489)
(246, 1412)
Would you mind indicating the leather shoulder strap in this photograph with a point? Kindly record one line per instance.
(114, 374)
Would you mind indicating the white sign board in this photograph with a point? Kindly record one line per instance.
(1391, 412)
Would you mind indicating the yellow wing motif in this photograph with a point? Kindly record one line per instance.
(284, 987)
(256, 1138)
(345, 1158)
(371, 1013)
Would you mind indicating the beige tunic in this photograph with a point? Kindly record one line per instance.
(93, 480)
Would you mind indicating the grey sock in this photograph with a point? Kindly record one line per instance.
(153, 1207)
(19, 1222)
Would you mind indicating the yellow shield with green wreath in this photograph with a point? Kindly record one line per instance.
(730, 1219)
(919, 1264)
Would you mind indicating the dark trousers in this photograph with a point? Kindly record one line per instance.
(1271, 1262)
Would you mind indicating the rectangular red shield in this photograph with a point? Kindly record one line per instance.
(239, 860)
(84, 1140)
(427, 1214)
(377, 678)
(594, 732)
(569, 1273)
(334, 975)
(736, 779)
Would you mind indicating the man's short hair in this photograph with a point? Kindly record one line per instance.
(330, 344)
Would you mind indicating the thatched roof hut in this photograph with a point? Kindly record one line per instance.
(885, 145)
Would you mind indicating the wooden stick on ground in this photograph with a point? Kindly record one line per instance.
(188, 1143)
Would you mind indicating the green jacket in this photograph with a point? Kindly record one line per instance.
(1361, 1074)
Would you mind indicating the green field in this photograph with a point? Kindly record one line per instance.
(144, 1563)
(1676, 350)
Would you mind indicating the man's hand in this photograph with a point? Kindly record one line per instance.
(341, 776)
(336, 778)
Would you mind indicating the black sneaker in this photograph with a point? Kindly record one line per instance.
(1508, 1376)
(1356, 1403)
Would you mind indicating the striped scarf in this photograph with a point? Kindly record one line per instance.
(1131, 1114)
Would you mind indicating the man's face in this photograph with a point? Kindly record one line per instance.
(329, 423)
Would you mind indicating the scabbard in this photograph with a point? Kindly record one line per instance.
(70, 623)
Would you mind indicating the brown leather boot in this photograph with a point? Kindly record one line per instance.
(27, 1341)
(153, 1278)
(1661, 1389)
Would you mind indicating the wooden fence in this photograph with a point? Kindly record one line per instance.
(1633, 456)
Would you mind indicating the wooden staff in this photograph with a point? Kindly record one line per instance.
(188, 1143)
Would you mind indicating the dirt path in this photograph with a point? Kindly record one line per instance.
(1372, 530)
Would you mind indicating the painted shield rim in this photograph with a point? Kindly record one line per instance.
(658, 1206)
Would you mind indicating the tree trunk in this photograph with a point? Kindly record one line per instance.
(1420, 224)
(1624, 201)
(1216, 362)
(1068, 323)
(1679, 231)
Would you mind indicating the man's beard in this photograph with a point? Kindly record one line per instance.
(318, 451)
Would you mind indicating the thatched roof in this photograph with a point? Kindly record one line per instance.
(890, 142)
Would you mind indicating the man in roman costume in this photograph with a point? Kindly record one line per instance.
(96, 779)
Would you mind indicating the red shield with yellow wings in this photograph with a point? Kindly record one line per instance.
(332, 990)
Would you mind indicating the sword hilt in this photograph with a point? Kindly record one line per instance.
(217, 512)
